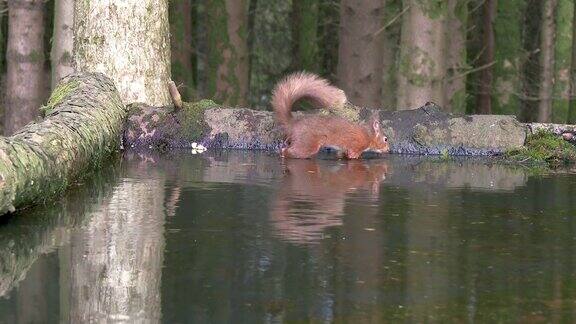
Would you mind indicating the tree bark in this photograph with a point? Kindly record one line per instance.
(391, 48)
(484, 97)
(84, 120)
(305, 42)
(509, 57)
(181, 35)
(62, 40)
(25, 63)
(562, 55)
(422, 54)
(227, 74)
(571, 119)
(548, 34)
(129, 42)
(455, 86)
(359, 71)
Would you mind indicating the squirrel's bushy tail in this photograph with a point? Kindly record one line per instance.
(301, 85)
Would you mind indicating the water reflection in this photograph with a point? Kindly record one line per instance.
(250, 239)
(116, 255)
(312, 195)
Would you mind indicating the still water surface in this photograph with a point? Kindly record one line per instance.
(242, 237)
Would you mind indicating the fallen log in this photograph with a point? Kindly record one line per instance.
(426, 130)
(82, 127)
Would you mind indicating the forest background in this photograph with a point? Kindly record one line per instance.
(469, 56)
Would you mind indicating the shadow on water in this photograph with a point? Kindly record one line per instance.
(245, 237)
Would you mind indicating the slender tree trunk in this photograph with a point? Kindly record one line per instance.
(62, 40)
(305, 35)
(548, 33)
(25, 63)
(455, 86)
(562, 54)
(328, 37)
(181, 43)
(227, 74)
(572, 107)
(129, 42)
(390, 51)
(360, 51)
(422, 54)
(531, 69)
(484, 98)
(509, 57)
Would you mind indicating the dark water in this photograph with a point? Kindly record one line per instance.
(241, 237)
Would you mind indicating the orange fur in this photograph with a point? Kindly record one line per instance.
(306, 135)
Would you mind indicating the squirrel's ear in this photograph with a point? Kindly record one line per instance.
(375, 125)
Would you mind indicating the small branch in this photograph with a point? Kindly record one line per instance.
(393, 20)
(175, 94)
(480, 68)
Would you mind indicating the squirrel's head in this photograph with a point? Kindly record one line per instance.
(379, 142)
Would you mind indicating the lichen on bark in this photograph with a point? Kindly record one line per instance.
(79, 132)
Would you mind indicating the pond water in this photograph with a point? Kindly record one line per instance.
(243, 237)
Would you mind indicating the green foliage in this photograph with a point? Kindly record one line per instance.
(542, 148)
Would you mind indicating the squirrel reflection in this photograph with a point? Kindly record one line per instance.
(313, 193)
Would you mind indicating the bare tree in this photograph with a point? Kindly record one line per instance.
(305, 46)
(62, 40)
(360, 69)
(572, 107)
(182, 48)
(422, 70)
(128, 41)
(455, 86)
(484, 97)
(548, 34)
(25, 63)
(228, 51)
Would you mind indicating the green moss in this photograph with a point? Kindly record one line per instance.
(544, 148)
(433, 8)
(192, 118)
(36, 56)
(61, 91)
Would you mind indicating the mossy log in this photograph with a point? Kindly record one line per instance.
(82, 126)
(426, 130)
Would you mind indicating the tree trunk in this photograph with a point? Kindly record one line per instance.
(562, 54)
(62, 40)
(484, 97)
(128, 41)
(25, 63)
(390, 50)
(572, 106)
(227, 71)
(328, 33)
(305, 42)
(84, 120)
(531, 69)
(181, 43)
(455, 86)
(360, 51)
(548, 34)
(509, 57)
(422, 54)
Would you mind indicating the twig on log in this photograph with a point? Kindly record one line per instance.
(175, 94)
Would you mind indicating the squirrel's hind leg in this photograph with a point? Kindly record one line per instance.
(302, 149)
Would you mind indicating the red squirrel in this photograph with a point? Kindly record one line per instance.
(306, 135)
